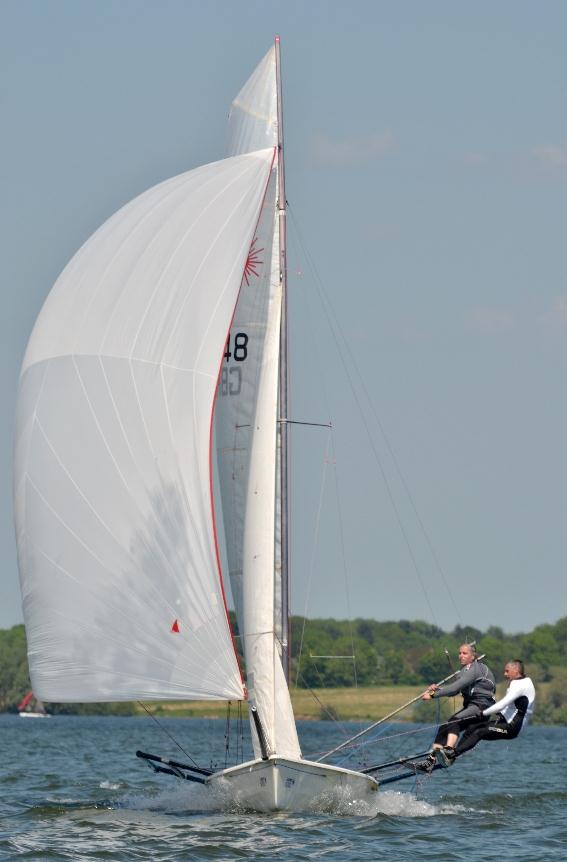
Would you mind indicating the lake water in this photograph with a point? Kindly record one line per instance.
(72, 789)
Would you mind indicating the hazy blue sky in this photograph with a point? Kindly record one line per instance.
(427, 171)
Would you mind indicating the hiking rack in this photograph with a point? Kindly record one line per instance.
(174, 767)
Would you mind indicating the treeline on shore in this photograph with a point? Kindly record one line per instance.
(343, 654)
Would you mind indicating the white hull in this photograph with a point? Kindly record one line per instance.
(282, 784)
(34, 715)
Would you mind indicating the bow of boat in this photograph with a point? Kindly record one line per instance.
(282, 784)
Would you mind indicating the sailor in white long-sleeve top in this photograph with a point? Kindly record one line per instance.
(506, 717)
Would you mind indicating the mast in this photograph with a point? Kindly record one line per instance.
(283, 382)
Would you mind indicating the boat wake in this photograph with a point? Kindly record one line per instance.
(398, 804)
(202, 800)
(192, 799)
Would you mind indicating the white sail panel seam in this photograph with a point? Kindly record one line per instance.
(84, 585)
(214, 241)
(169, 192)
(248, 168)
(100, 431)
(180, 243)
(56, 514)
(146, 215)
(80, 541)
(203, 595)
(188, 510)
(183, 688)
(123, 357)
(23, 479)
(93, 510)
(193, 644)
(127, 645)
(134, 461)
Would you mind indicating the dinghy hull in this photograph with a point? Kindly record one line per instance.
(281, 784)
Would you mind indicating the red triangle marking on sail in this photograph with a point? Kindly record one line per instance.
(175, 627)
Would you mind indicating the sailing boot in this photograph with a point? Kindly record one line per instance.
(427, 764)
(445, 756)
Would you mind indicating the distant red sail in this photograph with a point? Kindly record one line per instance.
(175, 627)
(25, 701)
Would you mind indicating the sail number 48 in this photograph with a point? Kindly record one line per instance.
(240, 349)
(231, 378)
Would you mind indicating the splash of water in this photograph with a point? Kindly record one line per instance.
(339, 802)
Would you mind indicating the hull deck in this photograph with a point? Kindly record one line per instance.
(281, 784)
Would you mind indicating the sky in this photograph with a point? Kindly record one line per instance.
(426, 170)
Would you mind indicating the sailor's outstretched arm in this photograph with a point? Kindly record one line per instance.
(511, 694)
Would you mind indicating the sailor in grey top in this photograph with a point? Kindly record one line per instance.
(475, 682)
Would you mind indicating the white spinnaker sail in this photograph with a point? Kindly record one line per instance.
(246, 429)
(253, 118)
(121, 587)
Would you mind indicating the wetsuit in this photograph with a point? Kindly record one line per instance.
(476, 683)
(506, 718)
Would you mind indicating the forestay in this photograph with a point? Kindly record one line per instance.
(246, 422)
(116, 538)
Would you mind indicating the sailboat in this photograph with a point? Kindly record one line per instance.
(32, 707)
(152, 413)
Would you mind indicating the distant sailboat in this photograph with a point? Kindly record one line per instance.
(163, 340)
(32, 707)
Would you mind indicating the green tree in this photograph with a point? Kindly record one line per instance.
(14, 676)
(542, 648)
(434, 667)
(496, 653)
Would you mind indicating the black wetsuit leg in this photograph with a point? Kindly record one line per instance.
(453, 725)
(493, 730)
(473, 735)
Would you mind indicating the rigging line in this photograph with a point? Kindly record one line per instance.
(167, 733)
(325, 709)
(239, 735)
(343, 555)
(298, 422)
(384, 435)
(227, 735)
(448, 657)
(335, 329)
(387, 717)
(375, 740)
(380, 736)
(313, 550)
(329, 444)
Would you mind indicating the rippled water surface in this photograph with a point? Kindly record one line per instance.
(72, 789)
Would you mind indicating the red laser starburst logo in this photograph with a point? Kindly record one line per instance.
(253, 262)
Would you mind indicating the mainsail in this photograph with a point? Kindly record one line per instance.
(246, 423)
(119, 570)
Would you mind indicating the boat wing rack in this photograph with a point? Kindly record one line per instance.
(410, 772)
(174, 767)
